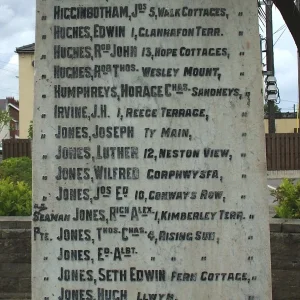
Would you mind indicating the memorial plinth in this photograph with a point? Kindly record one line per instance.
(149, 166)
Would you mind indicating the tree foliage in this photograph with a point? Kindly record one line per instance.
(30, 130)
(288, 197)
(5, 119)
(277, 108)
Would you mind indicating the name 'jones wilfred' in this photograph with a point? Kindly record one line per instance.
(132, 173)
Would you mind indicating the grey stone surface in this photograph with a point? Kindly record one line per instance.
(135, 241)
(276, 224)
(15, 296)
(285, 250)
(285, 284)
(15, 222)
(291, 226)
(15, 259)
(292, 174)
(17, 233)
(285, 267)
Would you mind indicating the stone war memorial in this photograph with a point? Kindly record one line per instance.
(149, 165)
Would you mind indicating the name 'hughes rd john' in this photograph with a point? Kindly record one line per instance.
(97, 51)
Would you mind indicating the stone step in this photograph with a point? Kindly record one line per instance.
(15, 296)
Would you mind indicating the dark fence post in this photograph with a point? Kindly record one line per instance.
(16, 148)
(283, 151)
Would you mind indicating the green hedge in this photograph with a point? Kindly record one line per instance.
(288, 197)
(15, 198)
(17, 169)
(15, 186)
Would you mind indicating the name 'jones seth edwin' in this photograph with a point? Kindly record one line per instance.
(135, 275)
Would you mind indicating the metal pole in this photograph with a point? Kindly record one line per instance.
(298, 6)
(270, 60)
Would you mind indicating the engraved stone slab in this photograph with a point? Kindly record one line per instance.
(149, 167)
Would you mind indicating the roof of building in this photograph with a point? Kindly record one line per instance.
(9, 101)
(26, 49)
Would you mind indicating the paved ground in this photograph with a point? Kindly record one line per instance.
(274, 182)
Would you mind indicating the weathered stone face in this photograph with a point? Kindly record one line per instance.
(149, 168)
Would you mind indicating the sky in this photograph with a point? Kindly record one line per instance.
(17, 26)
